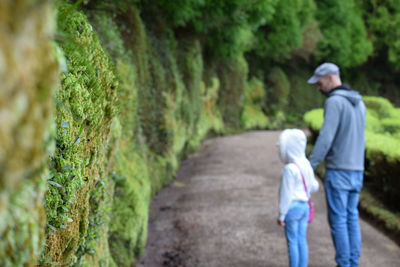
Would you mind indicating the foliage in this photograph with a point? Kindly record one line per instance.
(311, 37)
(127, 237)
(381, 107)
(190, 63)
(373, 124)
(344, 34)
(383, 20)
(230, 25)
(78, 168)
(303, 96)
(285, 31)
(227, 27)
(314, 118)
(178, 12)
(391, 125)
(376, 210)
(233, 75)
(278, 90)
(210, 119)
(254, 98)
(384, 144)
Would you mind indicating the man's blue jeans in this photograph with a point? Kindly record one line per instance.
(342, 190)
(296, 221)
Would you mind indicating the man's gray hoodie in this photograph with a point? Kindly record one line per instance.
(341, 141)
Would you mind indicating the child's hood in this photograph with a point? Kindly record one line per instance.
(292, 145)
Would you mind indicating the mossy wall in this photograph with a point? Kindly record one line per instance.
(127, 110)
(28, 75)
(99, 105)
(252, 115)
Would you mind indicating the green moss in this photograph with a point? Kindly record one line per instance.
(121, 125)
(210, 119)
(278, 90)
(29, 76)
(253, 117)
(78, 168)
(190, 63)
(232, 74)
(132, 196)
(252, 114)
(151, 81)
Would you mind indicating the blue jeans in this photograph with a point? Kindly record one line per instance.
(342, 190)
(296, 221)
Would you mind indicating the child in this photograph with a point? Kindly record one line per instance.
(293, 198)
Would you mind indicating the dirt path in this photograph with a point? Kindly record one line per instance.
(222, 210)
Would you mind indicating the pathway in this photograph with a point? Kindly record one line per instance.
(222, 210)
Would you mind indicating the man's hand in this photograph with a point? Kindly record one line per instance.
(281, 223)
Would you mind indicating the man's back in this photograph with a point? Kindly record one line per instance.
(342, 141)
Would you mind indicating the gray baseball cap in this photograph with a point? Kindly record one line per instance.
(323, 70)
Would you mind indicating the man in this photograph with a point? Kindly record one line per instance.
(341, 142)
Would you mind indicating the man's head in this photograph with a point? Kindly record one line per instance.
(326, 76)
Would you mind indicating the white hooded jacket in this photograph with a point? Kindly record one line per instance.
(292, 147)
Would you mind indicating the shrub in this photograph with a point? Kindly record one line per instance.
(391, 125)
(314, 119)
(381, 106)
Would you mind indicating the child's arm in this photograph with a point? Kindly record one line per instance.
(314, 185)
(285, 192)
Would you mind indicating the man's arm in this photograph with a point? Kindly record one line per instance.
(327, 133)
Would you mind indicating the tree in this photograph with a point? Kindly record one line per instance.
(344, 34)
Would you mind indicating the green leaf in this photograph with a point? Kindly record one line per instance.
(66, 168)
(65, 124)
(54, 184)
(65, 208)
(52, 227)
